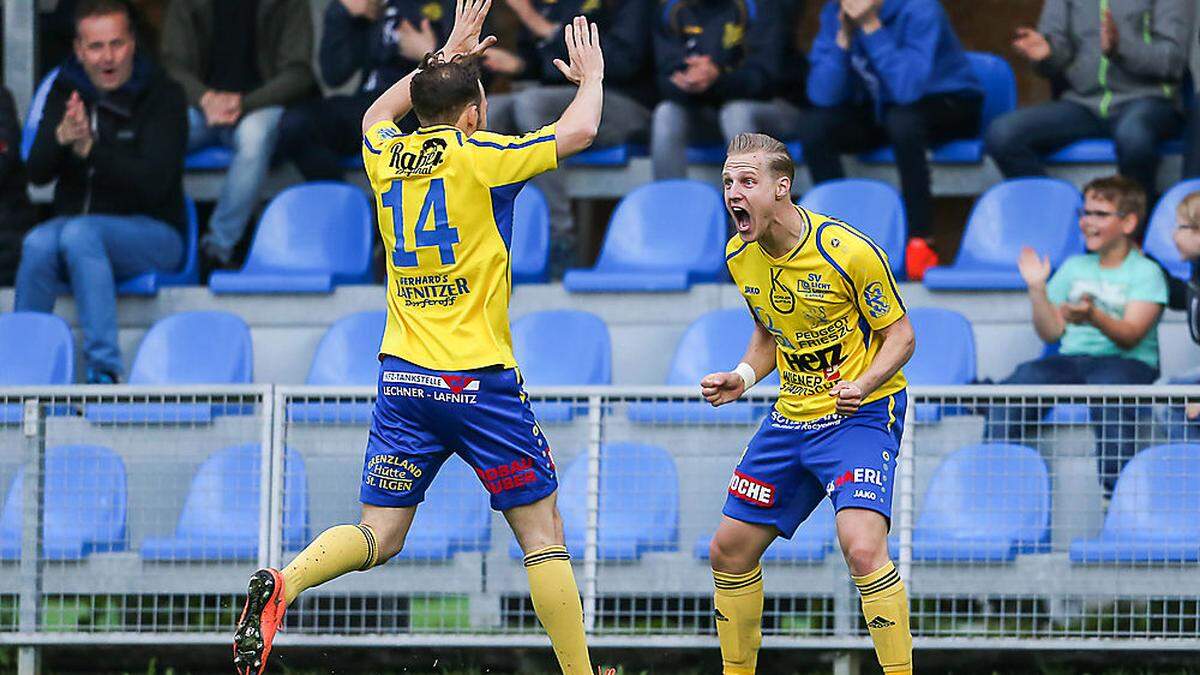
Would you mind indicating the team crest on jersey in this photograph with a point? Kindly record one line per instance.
(432, 11)
(431, 155)
(877, 304)
(782, 298)
(734, 33)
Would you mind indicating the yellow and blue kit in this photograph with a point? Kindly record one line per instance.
(448, 379)
(822, 302)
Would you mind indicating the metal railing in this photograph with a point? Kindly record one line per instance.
(1031, 518)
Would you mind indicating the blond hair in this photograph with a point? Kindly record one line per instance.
(779, 161)
(1189, 209)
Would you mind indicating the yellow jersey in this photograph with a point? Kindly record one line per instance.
(822, 302)
(445, 205)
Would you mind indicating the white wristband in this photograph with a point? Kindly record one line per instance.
(747, 372)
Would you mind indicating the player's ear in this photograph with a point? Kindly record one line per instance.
(783, 188)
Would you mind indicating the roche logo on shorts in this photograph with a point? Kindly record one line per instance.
(508, 476)
(751, 490)
(391, 473)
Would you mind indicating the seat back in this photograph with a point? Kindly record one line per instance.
(639, 500)
(869, 206)
(1157, 496)
(84, 502)
(348, 353)
(989, 491)
(668, 225)
(563, 347)
(35, 348)
(945, 352)
(530, 237)
(322, 227)
(37, 107)
(999, 85)
(195, 348)
(1159, 242)
(1039, 212)
(712, 343)
(222, 504)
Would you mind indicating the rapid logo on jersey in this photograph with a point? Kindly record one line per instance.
(421, 163)
(877, 304)
(751, 490)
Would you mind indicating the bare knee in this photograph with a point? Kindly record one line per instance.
(727, 556)
(864, 554)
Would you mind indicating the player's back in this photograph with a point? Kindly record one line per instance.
(445, 204)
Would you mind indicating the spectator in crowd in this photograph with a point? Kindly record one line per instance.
(1103, 309)
(113, 135)
(625, 39)
(719, 67)
(16, 213)
(1119, 71)
(889, 72)
(240, 62)
(1191, 149)
(382, 41)
(1185, 295)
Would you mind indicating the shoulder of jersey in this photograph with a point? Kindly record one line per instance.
(734, 245)
(835, 236)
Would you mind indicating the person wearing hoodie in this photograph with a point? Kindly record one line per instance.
(889, 72)
(1119, 64)
(16, 213)
(113, 135)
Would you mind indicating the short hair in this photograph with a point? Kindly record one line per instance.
(1189, 209)
(89, 8)
(779, 160)
(1124, 192)
(443, 89)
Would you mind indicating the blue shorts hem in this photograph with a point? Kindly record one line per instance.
(391, 503)
(525, 499)
(765, 520)
(866, 507)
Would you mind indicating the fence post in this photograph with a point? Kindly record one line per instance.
(591, 537)
(904, 487)
(265, 464)
(274, 426)
(34, 430)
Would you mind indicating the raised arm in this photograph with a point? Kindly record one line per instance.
(577, 127)
(463, 40)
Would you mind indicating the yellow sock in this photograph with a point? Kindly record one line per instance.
(556, 601)
(885, 606)
(738, 604)
(336, 551)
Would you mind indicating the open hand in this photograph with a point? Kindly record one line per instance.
(415, 42)
(583, 49)
(1034, 269)
(463, 40)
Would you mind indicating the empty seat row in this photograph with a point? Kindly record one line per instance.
(986, 503)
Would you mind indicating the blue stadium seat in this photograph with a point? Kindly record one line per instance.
(1103, 151)
(999, 97)
(188, 273)
(714, 342)
(1158, 242)
(986, 503)
(184, 348)
(346, 357)
(639, 502)
(706, 153)
(562, 347)
(455, 516)
(211, 158)
(945, 355)
(1154, 516)
(312, 237)
(530, 248)
(612, 155)
(219, 520)
(871, 207)
(663, 236)
(35, 348)
(34, 117)
(1038, 212)
(813, 540)
(84, 504)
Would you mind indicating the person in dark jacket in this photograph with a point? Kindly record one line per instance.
(240, 62)
(382, 41)
(719, 66)
(16, 213)
(628, 90)
(112, 134)
(889, 72)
